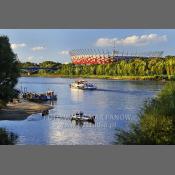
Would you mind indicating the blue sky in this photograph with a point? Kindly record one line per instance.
(38, 45)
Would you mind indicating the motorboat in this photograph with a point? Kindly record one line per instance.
(79, 116)
(82, 84)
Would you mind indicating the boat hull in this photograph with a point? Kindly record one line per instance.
(84, 119)
(83, 87)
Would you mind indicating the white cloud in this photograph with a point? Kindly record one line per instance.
(63, 52)
(133, 40)
(38, 48)
(18, 45)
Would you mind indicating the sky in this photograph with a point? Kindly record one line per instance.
(37, 45)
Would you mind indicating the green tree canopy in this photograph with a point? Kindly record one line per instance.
(8, 70)
(28, 65)
(156, 123)
(49, 64)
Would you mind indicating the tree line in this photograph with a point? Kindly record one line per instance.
(133, 67)
(45, 64)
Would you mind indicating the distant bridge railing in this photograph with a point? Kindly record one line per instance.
(36, 69)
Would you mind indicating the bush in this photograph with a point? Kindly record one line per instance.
(156, 123)
(7, 138)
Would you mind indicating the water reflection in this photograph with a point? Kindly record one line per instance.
(51, 102)
(81, 123)
(121, 98)
(77, 95)
(77, 123)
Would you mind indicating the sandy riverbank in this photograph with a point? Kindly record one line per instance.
(20, 111)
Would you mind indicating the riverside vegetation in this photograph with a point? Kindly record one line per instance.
(138, 68)
(156, 124)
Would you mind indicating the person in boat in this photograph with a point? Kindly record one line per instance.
(79, 114)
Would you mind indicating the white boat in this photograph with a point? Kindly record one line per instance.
(79, 116)
(82, 84)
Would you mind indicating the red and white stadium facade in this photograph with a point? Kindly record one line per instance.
(92, 56)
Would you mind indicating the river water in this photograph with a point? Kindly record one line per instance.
(115, 104)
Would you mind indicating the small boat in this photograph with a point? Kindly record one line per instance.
(82, 84)
(79, 116)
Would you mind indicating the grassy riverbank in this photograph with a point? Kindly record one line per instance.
(20, 111)
(54, 75)
(156, 123)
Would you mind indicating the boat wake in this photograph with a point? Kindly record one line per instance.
(133, 92)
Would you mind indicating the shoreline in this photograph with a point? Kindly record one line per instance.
(21, 110)
(155, 78)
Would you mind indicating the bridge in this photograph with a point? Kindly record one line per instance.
(31, 70)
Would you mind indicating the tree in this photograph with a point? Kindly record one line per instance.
(156, 124)
(27, 65)
(49, 64)
(9, 71)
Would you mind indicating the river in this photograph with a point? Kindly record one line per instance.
(115, 104)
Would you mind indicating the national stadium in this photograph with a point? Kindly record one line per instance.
(105, 56)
